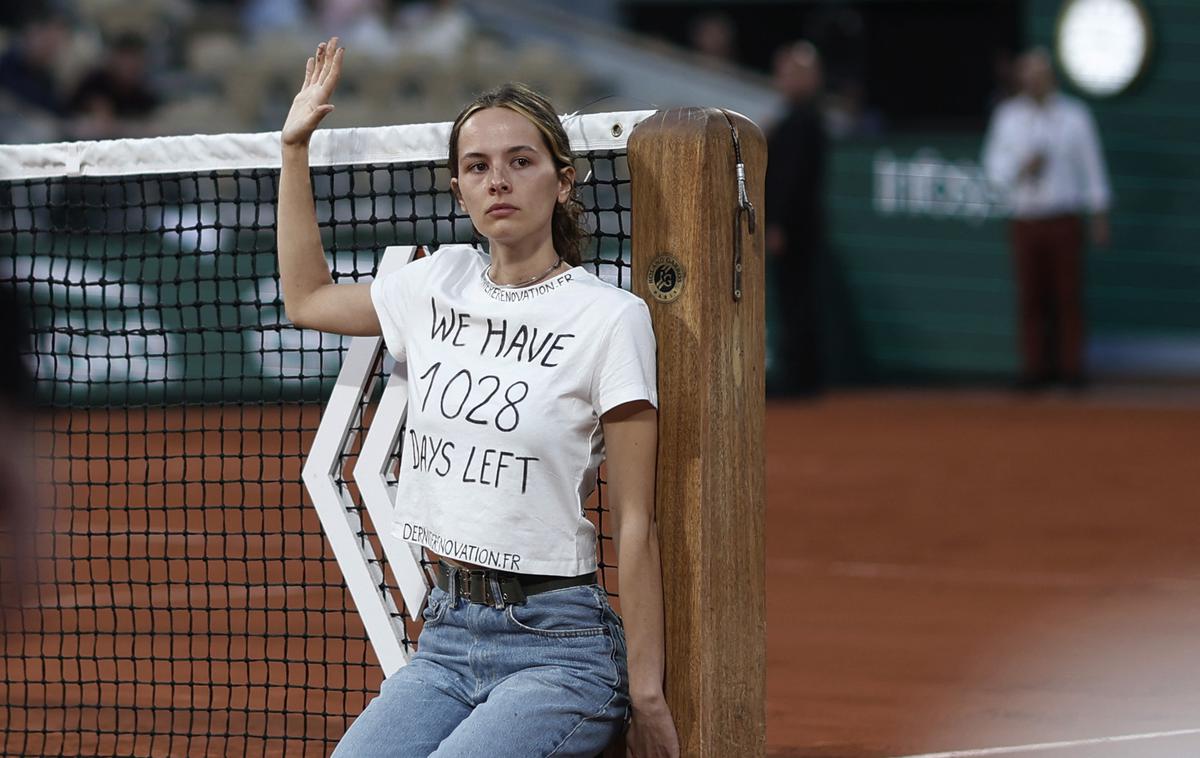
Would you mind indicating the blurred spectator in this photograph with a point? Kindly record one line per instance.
(360, 24)
(1043, 147)
(847, 114)
(115, 99)
(440, 28)
(266, 16)
(795, 220)
(30, 99)
(714, 36)
(17, 489)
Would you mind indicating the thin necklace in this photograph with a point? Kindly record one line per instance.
(487, 275)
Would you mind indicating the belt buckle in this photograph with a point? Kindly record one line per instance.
(477, 585)
(498, 598)
(450, 575)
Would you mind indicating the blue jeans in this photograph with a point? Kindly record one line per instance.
(544, 678)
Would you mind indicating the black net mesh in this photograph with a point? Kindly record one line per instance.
(186, 601)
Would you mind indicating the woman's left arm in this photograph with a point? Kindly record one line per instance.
(631, 444)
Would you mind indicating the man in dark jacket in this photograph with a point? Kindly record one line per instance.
(795, 213)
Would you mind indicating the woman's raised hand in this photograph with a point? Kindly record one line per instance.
(311, 103)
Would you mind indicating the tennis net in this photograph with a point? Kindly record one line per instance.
(186, 601)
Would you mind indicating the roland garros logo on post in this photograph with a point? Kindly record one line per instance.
(665, 278)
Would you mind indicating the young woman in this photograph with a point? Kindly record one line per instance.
(524, 371)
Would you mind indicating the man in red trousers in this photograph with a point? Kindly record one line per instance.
(1044, 148)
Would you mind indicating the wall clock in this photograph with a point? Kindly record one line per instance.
(1103, 45)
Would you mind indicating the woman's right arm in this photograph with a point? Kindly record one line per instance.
(310, 296)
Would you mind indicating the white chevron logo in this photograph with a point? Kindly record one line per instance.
(339, 514)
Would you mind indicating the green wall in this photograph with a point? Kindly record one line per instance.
(917, 285)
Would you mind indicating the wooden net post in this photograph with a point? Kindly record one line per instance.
(687, 235)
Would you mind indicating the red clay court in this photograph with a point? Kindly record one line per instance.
(954, 571)
(947, 572)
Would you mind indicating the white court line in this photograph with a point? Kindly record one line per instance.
(1009, 749)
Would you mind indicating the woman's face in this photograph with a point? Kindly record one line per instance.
(507, 180)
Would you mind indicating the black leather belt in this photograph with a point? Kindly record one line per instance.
(501, 588)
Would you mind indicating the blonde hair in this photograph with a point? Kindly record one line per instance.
(566, 225)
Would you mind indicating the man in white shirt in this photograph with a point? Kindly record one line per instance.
(1043, 147)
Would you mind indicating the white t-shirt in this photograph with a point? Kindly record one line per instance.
(505, 392)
